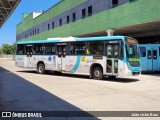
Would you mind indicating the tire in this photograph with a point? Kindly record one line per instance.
(112, 77)
(41, 69)
(97, 73)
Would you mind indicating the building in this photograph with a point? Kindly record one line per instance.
(6, 9)
(136, 18)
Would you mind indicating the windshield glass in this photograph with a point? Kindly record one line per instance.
(132, 53)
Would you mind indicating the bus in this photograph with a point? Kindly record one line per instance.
(150, 57)
(94, 56)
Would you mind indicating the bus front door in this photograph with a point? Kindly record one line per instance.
(152, 60)
(112, 59)
(28, 56)
(61, 49)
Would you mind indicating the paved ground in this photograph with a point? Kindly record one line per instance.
(23, 89)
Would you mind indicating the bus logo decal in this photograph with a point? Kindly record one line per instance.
(49, 58)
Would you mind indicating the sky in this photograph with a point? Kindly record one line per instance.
(8, 30)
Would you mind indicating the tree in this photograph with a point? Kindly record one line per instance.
(7, 49)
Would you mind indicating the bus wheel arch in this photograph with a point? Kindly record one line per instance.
(41, 67)
(96, 71)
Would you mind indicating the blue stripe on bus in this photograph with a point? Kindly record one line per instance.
(76, 66)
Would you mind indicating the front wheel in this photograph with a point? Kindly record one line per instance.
(97, 73)
(41, 69)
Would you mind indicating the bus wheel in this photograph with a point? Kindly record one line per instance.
(112, 77)
(41, 69)
(97, 73)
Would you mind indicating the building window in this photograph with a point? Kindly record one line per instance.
(114, 3)
(73, 17)
(48, 26)
(37, 30)
(60, 22)
(68, 19)
(83, 13)
(52, 25)
(89, 10)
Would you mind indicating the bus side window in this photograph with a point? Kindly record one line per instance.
(72, 49)
(94, 47)
(38, 48)
(159, 51)
(149, 54)
(80, 48)
(155, 54)
(109, 51)
(49, 48)
(21, 49)
(116, 51)
(121, 51)
(142, 52)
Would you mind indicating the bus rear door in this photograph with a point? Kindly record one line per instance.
(112, 59)
(29, 56)
(61, 61)
(152, 54)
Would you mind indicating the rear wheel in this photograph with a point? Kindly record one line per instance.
(41, 69)
(97, 73)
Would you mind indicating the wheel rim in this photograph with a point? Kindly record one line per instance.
(96, 73)
(40, 68)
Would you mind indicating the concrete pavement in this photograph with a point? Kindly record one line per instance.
(23, 89)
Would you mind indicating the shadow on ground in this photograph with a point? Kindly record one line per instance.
(17, 94)
(118, 79)
(151, 73)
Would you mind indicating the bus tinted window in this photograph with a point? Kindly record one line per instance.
(121, 52)
(78, 48)
(149, 54)
(49, 49)
(155, 54)
(20, 49)
(142, 52)
(159, 51)
(38, 49)
(94, 48)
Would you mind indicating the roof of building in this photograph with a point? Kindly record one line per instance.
(6, 9)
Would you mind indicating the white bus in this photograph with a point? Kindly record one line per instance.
(95, 56)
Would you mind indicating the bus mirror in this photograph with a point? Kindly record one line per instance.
(130, 50)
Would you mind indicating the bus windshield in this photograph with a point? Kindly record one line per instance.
(132, 52)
